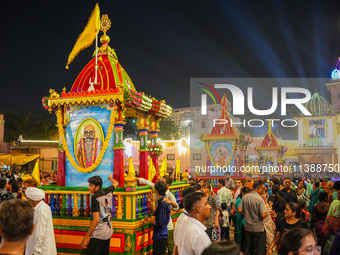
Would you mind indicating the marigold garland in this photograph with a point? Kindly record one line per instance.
(67, 152)
(94, 152)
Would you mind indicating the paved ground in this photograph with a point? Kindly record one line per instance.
(232, 236)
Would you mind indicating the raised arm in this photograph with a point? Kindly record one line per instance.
(113, 181)
(146, 182)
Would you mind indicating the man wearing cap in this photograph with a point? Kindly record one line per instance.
(42, 240)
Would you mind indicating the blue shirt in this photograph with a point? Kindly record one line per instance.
(270, 191)
(162, 215)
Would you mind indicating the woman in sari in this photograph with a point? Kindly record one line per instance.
(310, 186)
(302, 193)
(240, 218)
(269, 224)
(314, 197)
(319, 215)
(328, 187)
(331, 225)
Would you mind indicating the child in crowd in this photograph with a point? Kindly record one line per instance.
(225, 225)
(305, 215)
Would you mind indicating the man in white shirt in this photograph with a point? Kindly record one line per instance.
(192, 239)
(170, 199)
(224, 194)
(183, 217)
(42, 240)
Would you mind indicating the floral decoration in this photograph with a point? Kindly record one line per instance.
(144, 103)
(155, 149)
(44, 101)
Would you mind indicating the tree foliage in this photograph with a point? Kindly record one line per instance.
(29, 127)
(168, 130)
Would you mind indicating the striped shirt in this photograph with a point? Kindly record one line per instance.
(209, 223)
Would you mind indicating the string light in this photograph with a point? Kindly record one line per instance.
(128, 147)
(182, 149)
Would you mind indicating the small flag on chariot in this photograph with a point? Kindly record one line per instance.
(87, 37)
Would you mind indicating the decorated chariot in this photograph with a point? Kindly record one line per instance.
(90, 120)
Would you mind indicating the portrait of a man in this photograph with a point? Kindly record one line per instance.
(89, 146)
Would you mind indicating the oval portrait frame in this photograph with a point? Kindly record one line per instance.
(212, 157)
(80, 129)
(269, 157)
(216, 151)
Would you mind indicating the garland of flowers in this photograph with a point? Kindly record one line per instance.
(68, 154)
(155, 149)
(144, 103)
(155, 107)
(44, 101)
(137, 100)
(164, 110)
(94, 152)
(133, 98)
(245, 138)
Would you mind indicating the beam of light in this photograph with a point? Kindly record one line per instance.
(208, 92)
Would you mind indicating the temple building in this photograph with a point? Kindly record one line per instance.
(319, 134)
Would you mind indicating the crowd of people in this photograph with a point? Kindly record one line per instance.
(12, 184)
(276, 216)
(252, 216)
(26, 225)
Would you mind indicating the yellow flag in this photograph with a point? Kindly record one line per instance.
(36, 172)
(164, 166)
(152, 170)
(131, 168)
(178, 169)
(87, 37)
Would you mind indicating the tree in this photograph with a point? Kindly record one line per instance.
(29, 127)
(168, 130)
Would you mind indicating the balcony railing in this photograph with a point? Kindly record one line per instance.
(316, 141)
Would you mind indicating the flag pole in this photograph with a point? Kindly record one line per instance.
(96, 66)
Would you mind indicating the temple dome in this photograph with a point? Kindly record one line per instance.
(226, 128)
(269, 140)
(319, 106)
(110, 73)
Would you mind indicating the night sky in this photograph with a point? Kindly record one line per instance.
(162, 44)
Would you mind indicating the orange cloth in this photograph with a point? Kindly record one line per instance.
(249, 185)
(327, 186)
